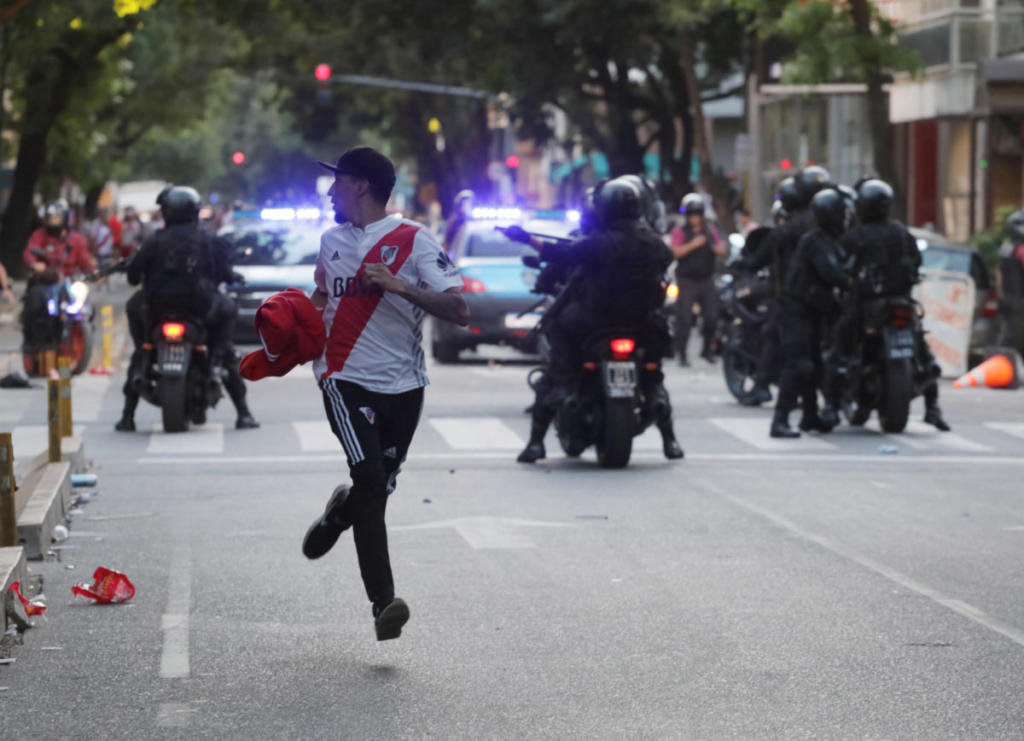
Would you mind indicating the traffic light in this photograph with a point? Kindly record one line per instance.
(322, 72)
(786, 164)
(238, 158)
(512, 161)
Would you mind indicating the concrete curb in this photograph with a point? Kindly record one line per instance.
(47, 506)
(12, 568)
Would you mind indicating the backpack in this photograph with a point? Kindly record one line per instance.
(182, 269)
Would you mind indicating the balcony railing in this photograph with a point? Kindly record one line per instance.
(966, 34)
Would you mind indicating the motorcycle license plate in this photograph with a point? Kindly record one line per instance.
(514, 321)
(620, 379)
(900, 343)
(172, 358)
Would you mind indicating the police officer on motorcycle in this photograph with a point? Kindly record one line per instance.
(1011, 274)
(54, 252)
(807, 302)
(775, 253)
(617, 273)
(180, 267)
(885, 261)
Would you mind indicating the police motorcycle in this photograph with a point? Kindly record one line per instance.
(176, 371)
(884, 374)
(606, 406)
(58, 316)
(743, 308)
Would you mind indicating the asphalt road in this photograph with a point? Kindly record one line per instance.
(757, 590)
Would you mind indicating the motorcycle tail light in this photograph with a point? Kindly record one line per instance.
(990, 309)
(623, 347)
(173, 330)
(900, 316)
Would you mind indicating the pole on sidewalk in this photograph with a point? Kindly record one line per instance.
(53, 417)
(8, 520)
(66, 426)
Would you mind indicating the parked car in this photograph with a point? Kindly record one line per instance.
(940, 253)
(497, 287)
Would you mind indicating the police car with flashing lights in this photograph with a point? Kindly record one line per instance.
(274, 249)
(496, 285)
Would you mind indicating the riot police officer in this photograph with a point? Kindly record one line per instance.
(617, 274)
(1011, 274)
(696, 246)
(180, 267)
(775, 252)
(806, 303)
(885, 261)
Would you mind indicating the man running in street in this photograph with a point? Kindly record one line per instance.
(376, 277)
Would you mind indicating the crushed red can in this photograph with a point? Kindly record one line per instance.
(108, 587)
(32, 607)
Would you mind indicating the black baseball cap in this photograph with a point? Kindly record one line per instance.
(367, 164)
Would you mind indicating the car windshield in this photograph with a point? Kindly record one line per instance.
(938, 258)
(494, 244)
(260, 245)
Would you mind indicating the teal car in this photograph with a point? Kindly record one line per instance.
(497, 287)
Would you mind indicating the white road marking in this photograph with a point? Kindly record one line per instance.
(477, 433)
(754, 432)
(961, 608)
(488, 532)
(87, 394)
(919, 431)
(926, 460)
(1016, 429)
(208, 439)
(174, 659)
(173, 715)
(315, 436)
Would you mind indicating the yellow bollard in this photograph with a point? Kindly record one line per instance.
(66, 425)
(8, 519)
(53, 417)
(107, 313)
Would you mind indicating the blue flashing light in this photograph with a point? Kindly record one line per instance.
(488, 212)
(289, 214)
(573, 216)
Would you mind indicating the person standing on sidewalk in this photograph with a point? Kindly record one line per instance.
(696, 245)
(376, 277)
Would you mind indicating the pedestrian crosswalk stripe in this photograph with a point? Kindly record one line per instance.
(206, 439)
(919, 431)
(754, 432)
(1016, 429)
(477, 433)
(316, 436)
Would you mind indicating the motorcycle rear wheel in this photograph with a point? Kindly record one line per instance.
(894, 410)
(615, 445)
(173, 403)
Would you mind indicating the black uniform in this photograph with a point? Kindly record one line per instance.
(775, 253)
(1011, 274)
(615, 278)
(695, 280)
(885, 262)
(807, 302)
(180, 268)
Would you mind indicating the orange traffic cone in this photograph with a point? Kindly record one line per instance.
(998, 372)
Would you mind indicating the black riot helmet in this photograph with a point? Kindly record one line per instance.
(833, 210)
(180, 205)
(779, 212)
(652, 209)
(1015, 227)
(874, 200)
(163, 194)
(56, 217)
(617, 200)
(810, 181)
(693, 203)
(788, 196)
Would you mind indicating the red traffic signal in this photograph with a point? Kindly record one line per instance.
(786, 164)
(512, 161)
(322, 72)
(238, 158)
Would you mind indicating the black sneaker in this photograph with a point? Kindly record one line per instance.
(246, 422)
(388, 621)
(328, 527)
(125, 424)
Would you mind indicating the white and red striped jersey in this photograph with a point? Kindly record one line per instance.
(375, 339)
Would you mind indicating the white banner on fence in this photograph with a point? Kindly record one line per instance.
(948, 302)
